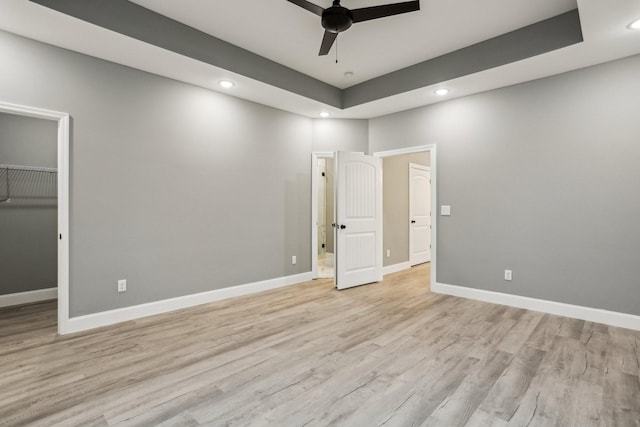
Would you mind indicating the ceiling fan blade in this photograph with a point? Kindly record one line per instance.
(327, 42)
(309, 6)
(375, 12)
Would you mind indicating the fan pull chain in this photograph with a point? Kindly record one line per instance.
(337, 49)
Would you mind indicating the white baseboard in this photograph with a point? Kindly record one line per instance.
(389, 269)
(110, 317)
(613, 318)
(28, 297)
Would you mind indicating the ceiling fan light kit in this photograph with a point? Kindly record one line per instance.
(337, 18)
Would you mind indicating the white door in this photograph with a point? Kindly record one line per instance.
(358, 193)
(419, 214)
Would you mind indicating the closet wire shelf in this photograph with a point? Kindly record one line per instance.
(28, 186)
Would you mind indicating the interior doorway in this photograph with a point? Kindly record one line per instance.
(358, 198)
(325, 199)
(34, 206)
(346, 211)
(322, 216)
(397, 223)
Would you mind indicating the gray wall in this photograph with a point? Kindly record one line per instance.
(543, 179)
(340, 135)
(166, 179)
(175, 188)
(28, 228)
(395, 199)
(28, 141)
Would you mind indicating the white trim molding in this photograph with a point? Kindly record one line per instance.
(403, 151)
(63, 199)
(110, 317)
(390, 269)
(28, 297)
(612, 318)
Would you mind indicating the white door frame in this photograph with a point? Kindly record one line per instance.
(63, 200)
(434, 196)
(314, 208)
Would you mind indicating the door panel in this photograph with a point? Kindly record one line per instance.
(358, 183)
(419, 214)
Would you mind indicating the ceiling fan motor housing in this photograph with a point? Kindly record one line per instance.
(337, 19)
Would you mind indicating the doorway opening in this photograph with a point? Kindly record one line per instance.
(34, 194)
(326, 252)
(357, 216)
(323, 236)
(409, 199)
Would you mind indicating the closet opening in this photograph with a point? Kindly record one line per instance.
(34, 214)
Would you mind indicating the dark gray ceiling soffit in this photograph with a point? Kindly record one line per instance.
(142, 24)
(542, 37)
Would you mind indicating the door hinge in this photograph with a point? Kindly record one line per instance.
(322, 173)
(323, 245)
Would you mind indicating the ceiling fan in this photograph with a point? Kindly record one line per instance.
(336, 19)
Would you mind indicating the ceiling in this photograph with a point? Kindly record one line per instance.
(291, 35)
(368, 49)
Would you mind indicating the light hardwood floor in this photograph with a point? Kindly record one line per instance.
(389, 354)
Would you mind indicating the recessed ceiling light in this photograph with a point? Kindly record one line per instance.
(324, 114)
(635, 25)
(441, 92)
(226, 84)
(348, 74)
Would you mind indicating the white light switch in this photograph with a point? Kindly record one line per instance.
(294, 260)
(445, 210)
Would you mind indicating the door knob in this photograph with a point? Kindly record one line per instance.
(413, 221)
(342, 227)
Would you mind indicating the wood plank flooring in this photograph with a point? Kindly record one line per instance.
(387, 354)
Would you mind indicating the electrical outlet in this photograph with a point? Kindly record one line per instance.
(508, 274)
(445, 210)
(388, 253)
(293, 260)
(122, 285)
